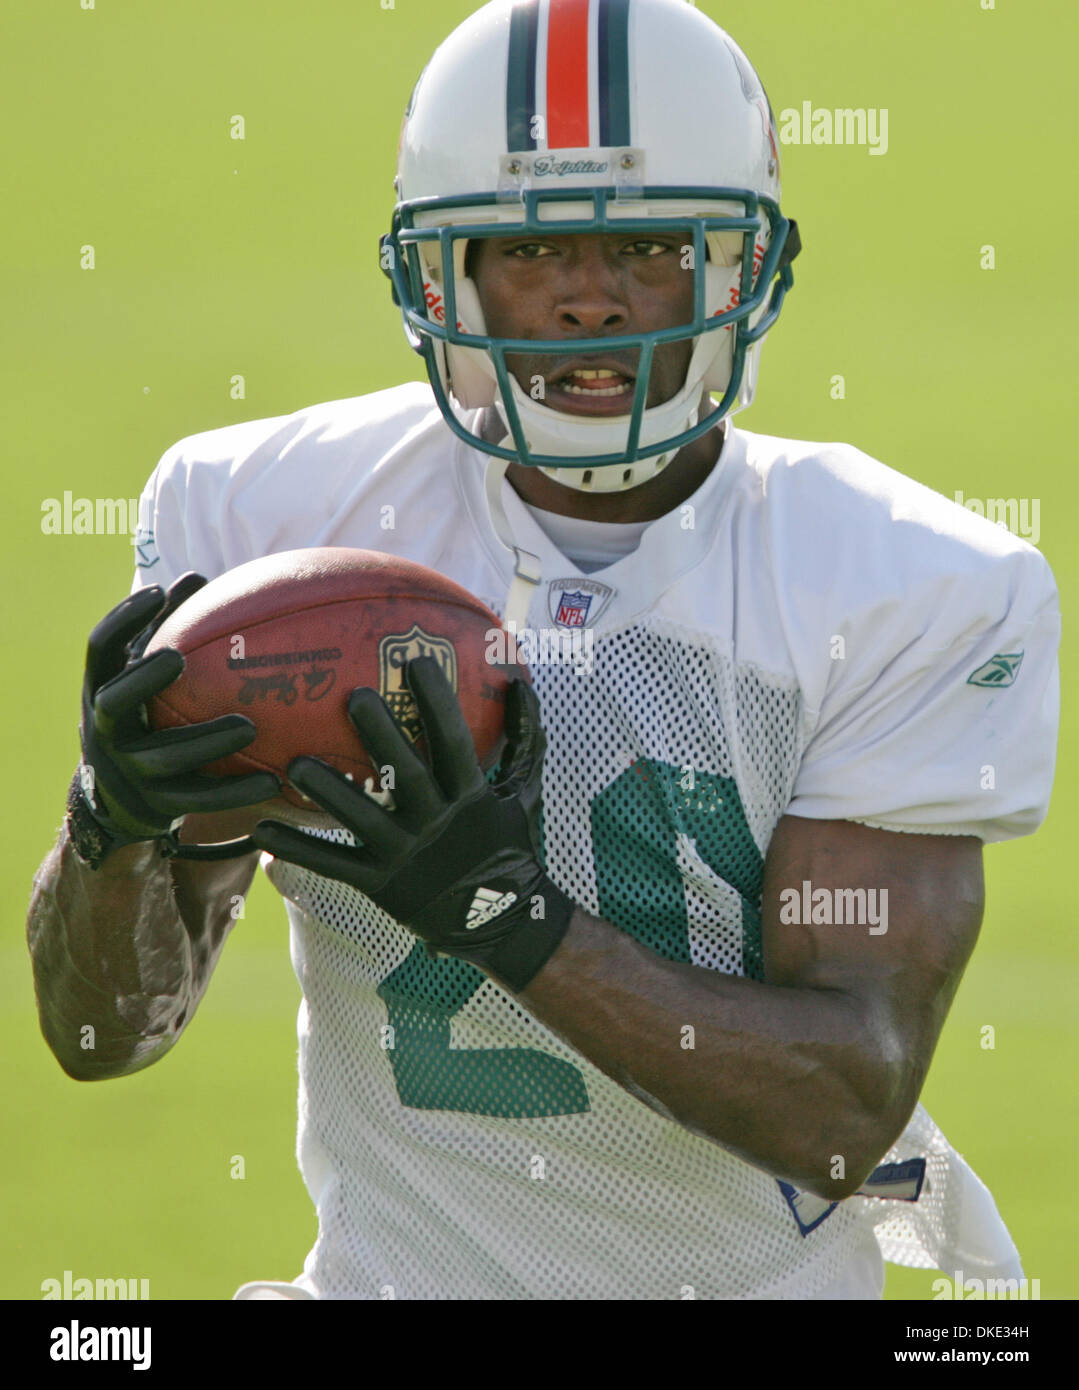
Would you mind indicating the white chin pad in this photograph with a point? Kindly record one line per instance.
(618, 477)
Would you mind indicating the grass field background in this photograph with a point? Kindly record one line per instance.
(217, 257)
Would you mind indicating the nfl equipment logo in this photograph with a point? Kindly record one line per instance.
(394, 651)
(575, 602)
(573, 609)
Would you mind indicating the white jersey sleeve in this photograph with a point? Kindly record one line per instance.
(185, 505)
(162, 538)
(928, 641)
(226, 496)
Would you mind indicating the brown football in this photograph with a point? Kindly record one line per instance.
(285, 639)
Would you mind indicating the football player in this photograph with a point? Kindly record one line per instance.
(649, 1014)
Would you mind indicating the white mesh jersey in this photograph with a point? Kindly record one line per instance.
(801, 633)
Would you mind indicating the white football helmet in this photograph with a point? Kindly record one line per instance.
(567, 116)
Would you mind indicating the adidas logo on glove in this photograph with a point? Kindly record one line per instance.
(487, 903)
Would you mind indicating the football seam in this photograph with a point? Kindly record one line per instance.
(479, 610)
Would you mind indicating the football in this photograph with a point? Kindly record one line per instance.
(286, 638)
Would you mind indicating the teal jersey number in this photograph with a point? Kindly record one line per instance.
(422, 995)
(636, 823)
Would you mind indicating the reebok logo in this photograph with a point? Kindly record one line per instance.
(487, 903)
(999, 670)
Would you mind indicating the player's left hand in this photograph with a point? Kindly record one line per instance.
(456, 860)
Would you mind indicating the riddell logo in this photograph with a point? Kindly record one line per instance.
(735, 296)
(733, 300)
(435, 306)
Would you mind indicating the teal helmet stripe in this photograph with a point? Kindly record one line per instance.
(521, 77)
(613, 68)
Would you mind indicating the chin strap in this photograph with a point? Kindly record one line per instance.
(527, 571)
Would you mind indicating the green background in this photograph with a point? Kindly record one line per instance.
(217, 257)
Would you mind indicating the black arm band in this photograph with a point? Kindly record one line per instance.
(92, 835)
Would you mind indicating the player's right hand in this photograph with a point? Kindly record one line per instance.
(136, 783)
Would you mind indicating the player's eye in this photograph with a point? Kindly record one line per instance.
(530, 250)
(538, 250)
(646, 248)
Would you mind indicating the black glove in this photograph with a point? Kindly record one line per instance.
(456, 860)
(134, 784)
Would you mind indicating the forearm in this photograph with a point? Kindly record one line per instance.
(787, 1079)
(112, 960)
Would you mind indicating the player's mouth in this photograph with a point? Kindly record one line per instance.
(592, 389)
